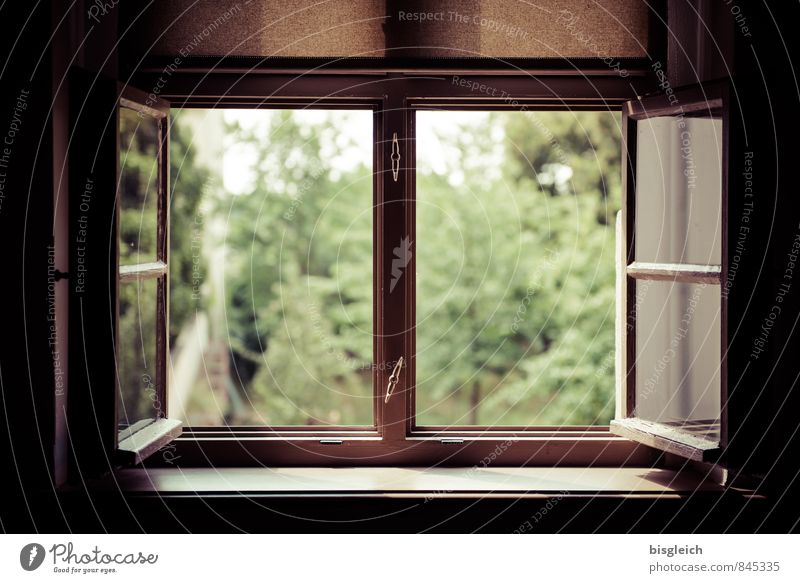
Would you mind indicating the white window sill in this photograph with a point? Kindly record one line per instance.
(414, 482)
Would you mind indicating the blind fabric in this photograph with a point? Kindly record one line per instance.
(388, 28)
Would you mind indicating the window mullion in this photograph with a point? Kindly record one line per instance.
(394, 271)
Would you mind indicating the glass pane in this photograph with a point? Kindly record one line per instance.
(515, 267)
(678, 355)
(138, 169)
(271, 266)
(137, 401)
(679, 190)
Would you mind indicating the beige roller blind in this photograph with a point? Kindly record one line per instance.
(288, 28)
(571, 28)
(389, 28)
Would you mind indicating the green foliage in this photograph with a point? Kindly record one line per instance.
(136, 363)
(139, 141)
(514, 260)
(138, 201)
(516, 278)
(190, 187)
(298, 276)
(590, 143)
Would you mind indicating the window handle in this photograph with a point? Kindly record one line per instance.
(393, 378)
(395, 159)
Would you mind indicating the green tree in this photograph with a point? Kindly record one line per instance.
(299, 278)
(516, 276)
(190, 184)
(139, 139)
(515, 282)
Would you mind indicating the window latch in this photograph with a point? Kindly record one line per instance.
(395, 158)
(393, 378)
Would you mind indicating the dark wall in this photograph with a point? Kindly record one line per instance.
(26, 363)
(39, 42)
(770, 74)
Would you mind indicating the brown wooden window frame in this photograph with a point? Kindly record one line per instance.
(395, 439)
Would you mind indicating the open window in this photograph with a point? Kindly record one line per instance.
(374, 279)
(119, 216)
(673, 326)
(143, 300)
(405, 274)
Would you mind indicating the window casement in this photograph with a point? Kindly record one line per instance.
(674, 339)
(119, 292)
(142, 221)
(397, 102)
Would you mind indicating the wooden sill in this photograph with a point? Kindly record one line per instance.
(435, 482)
